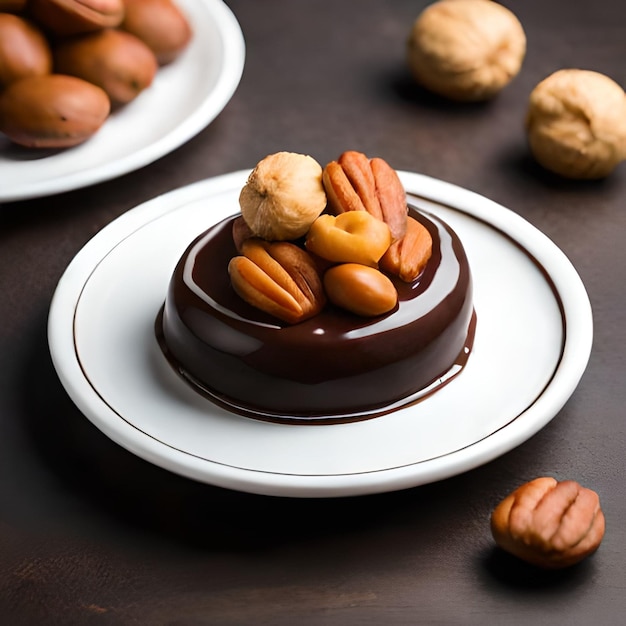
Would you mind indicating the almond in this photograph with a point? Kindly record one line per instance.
(360, 289)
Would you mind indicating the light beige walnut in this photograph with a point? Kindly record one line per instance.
(283, 196)
(576, 124)
(466, 50)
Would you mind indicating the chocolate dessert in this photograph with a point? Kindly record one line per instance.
(327, 364)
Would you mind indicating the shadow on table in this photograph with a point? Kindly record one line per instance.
(512, 157)
(510, 573)
(518, 160)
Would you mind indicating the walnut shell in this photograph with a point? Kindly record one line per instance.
(576, 124)
(548, 523)
(467, 50)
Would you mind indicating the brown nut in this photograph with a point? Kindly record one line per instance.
(408, 257)
(160, 24)
(24, 50)
(548, 523)
(52, 111)
(356, 183)
(279, 278)
(71, 17)
(360, 289)
(576, 124)
(466, 51)
(116, 61)
(352, 237)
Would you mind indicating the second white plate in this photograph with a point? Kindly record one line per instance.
(184, 98)
(532, 345)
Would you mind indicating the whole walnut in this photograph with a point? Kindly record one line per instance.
(576, 124)
(466, 50)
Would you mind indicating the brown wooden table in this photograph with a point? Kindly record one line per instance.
(91, 534)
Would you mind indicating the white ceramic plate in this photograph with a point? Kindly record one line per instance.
(532, 344)
(183, 99)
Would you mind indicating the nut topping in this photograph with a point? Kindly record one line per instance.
(282, 196)
(279, 278)
(367, 231)
(356, 183)
(354, 236)
(360, 289)
(548, 523)
(407, 257)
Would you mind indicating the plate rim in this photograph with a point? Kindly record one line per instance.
(228, 79)
(578, 324)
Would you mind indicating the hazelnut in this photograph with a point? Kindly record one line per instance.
(576, 124)
(467, 50)
(283, 196)
(548, 523)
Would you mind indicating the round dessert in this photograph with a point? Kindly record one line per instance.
(332, 367)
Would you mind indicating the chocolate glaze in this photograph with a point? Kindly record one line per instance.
(333, 367)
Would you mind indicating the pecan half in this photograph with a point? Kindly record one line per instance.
(356, 183)
(407, 257)
(548, 523)
(279, 278)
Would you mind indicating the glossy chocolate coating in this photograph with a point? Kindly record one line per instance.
(333, 367)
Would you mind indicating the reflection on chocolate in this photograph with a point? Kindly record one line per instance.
(334, 367)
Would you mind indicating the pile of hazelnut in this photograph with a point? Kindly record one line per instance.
(308, 235)
(65, 64)
(471, 50)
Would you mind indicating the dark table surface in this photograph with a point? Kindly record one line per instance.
(91, 534)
